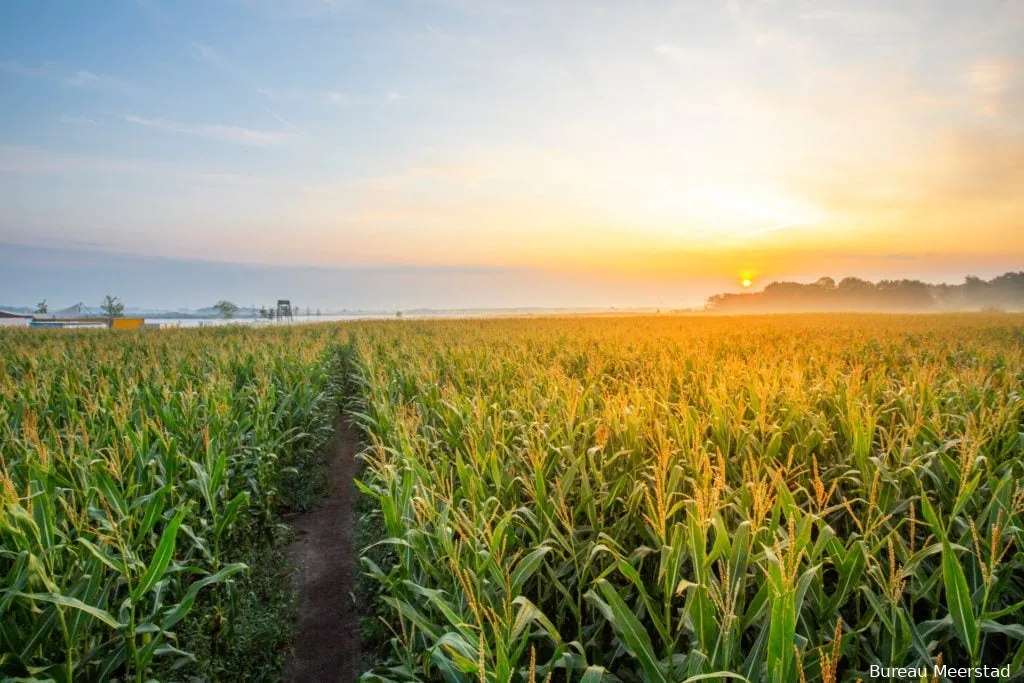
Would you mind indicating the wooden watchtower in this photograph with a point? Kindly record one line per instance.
(284, 309)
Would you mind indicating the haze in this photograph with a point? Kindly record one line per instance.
(502, 153)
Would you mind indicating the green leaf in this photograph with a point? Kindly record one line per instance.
(73, 603)
(231, 511)
(154, 509)
(629, 627)
(1015, 631)
(932, 518)
(958, 600)
(529, 613)
(593, 674)
(98, 553)
(526, 567)
(162, 557)
(178, 612)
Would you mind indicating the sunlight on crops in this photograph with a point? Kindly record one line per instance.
(786, 499)
(790, 498)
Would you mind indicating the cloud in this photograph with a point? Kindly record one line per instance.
(216, 131)
(672, 51)
(33, 160)
(77, 120)
(979, 164)
(331, 98)
(52, 71)
(990, 76)
(91, 81)
(997, 83)
(394, 97)
(19, 69)
(339, 99)
(205, 53)
(279, 118)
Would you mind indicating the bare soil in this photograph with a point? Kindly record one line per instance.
(327, 646)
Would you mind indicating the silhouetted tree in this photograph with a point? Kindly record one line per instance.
(112, 307)
(855, 294)
(855, 284)
(226, 309)
(826, 283)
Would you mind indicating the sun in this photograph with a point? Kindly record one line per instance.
(746, 282)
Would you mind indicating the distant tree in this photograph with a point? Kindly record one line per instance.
(318, 312)
(226, 309)
(266, 312)
(905, 294)
(975, 290)
(398, 314)
(825, 283)
(112, 307)
(41, 307)
(1005, 292)
(855, 284)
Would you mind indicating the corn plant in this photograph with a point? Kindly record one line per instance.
(792, 498)
(134, 466)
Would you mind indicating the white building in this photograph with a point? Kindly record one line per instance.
(14, 319)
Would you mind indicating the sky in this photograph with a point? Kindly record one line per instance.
(641, 152)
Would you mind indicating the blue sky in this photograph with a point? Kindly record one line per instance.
(675, 146)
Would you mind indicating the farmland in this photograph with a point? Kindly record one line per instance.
(651, 498)
(138, 471)
(786, 499)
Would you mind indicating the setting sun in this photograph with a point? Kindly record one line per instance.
(746, 282)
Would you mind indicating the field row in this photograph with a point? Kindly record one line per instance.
(136, 470)
(782, 499)
(641, 499)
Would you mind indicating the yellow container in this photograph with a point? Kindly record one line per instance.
(126, 323)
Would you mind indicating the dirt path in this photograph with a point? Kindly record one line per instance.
(327, 647)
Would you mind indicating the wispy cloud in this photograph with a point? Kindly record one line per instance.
(297, 9)
(19, 69)
(215, 131)
(278, 117)
(91, 81)
(33, 160)
(995, 81)
(52, 71)
(77, 120)
(332, 98)
(340, 99)
(205, 53)
(394, 96)
(674, 52)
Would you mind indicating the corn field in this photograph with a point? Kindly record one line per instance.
(134, 468)
(667, 499)
(792, 498)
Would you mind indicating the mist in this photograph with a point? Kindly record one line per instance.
(65, 276)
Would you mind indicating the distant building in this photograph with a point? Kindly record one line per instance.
(14, 319)
(77, 311)
(96, 323)
(284, 309)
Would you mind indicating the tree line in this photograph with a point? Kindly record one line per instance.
(1004, 292)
